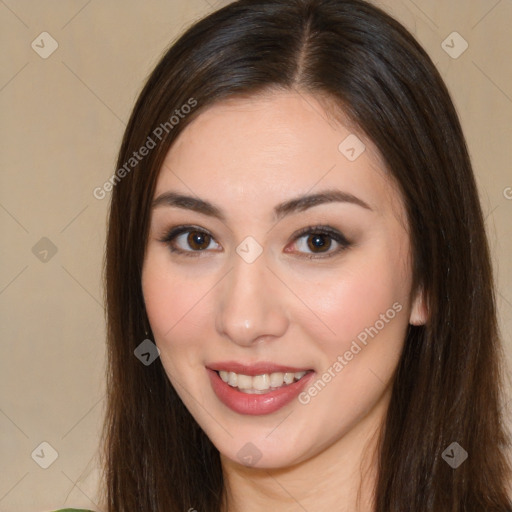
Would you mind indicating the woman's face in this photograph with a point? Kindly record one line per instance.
(263, 284)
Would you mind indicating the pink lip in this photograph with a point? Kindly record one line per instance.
(256, 404)
(253, 369)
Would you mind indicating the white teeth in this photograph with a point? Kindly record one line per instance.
(259, 383)
(276, 380)
(244, 382)
(288, 377)
(232, 379)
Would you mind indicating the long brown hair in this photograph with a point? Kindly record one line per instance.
(448, 384)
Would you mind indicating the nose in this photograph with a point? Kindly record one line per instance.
(251, 305)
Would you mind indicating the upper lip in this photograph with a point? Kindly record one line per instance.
(253, 369)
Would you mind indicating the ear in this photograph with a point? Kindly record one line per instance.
(419, 313)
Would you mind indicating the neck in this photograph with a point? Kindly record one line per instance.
(340, 477)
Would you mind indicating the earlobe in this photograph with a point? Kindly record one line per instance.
(419, 313)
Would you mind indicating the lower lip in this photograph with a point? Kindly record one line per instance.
(256, 404)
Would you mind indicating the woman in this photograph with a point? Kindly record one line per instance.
(295, 225)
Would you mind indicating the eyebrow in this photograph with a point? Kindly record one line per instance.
(297, 204)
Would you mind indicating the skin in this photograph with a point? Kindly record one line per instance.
(246, 155)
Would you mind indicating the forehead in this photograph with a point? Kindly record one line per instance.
(264, 149)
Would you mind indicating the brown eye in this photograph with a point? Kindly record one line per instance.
(319, 242)
(198, 240)
(188, 240)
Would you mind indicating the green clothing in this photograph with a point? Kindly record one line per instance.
(73, 510)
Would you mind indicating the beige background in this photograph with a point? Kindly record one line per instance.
(62, 122)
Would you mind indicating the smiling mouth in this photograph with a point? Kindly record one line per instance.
(260, 384)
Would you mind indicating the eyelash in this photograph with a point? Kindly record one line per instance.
(335, 235)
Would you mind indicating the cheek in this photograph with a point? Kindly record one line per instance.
(364, 304)
(175, 305)
(364, 300)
